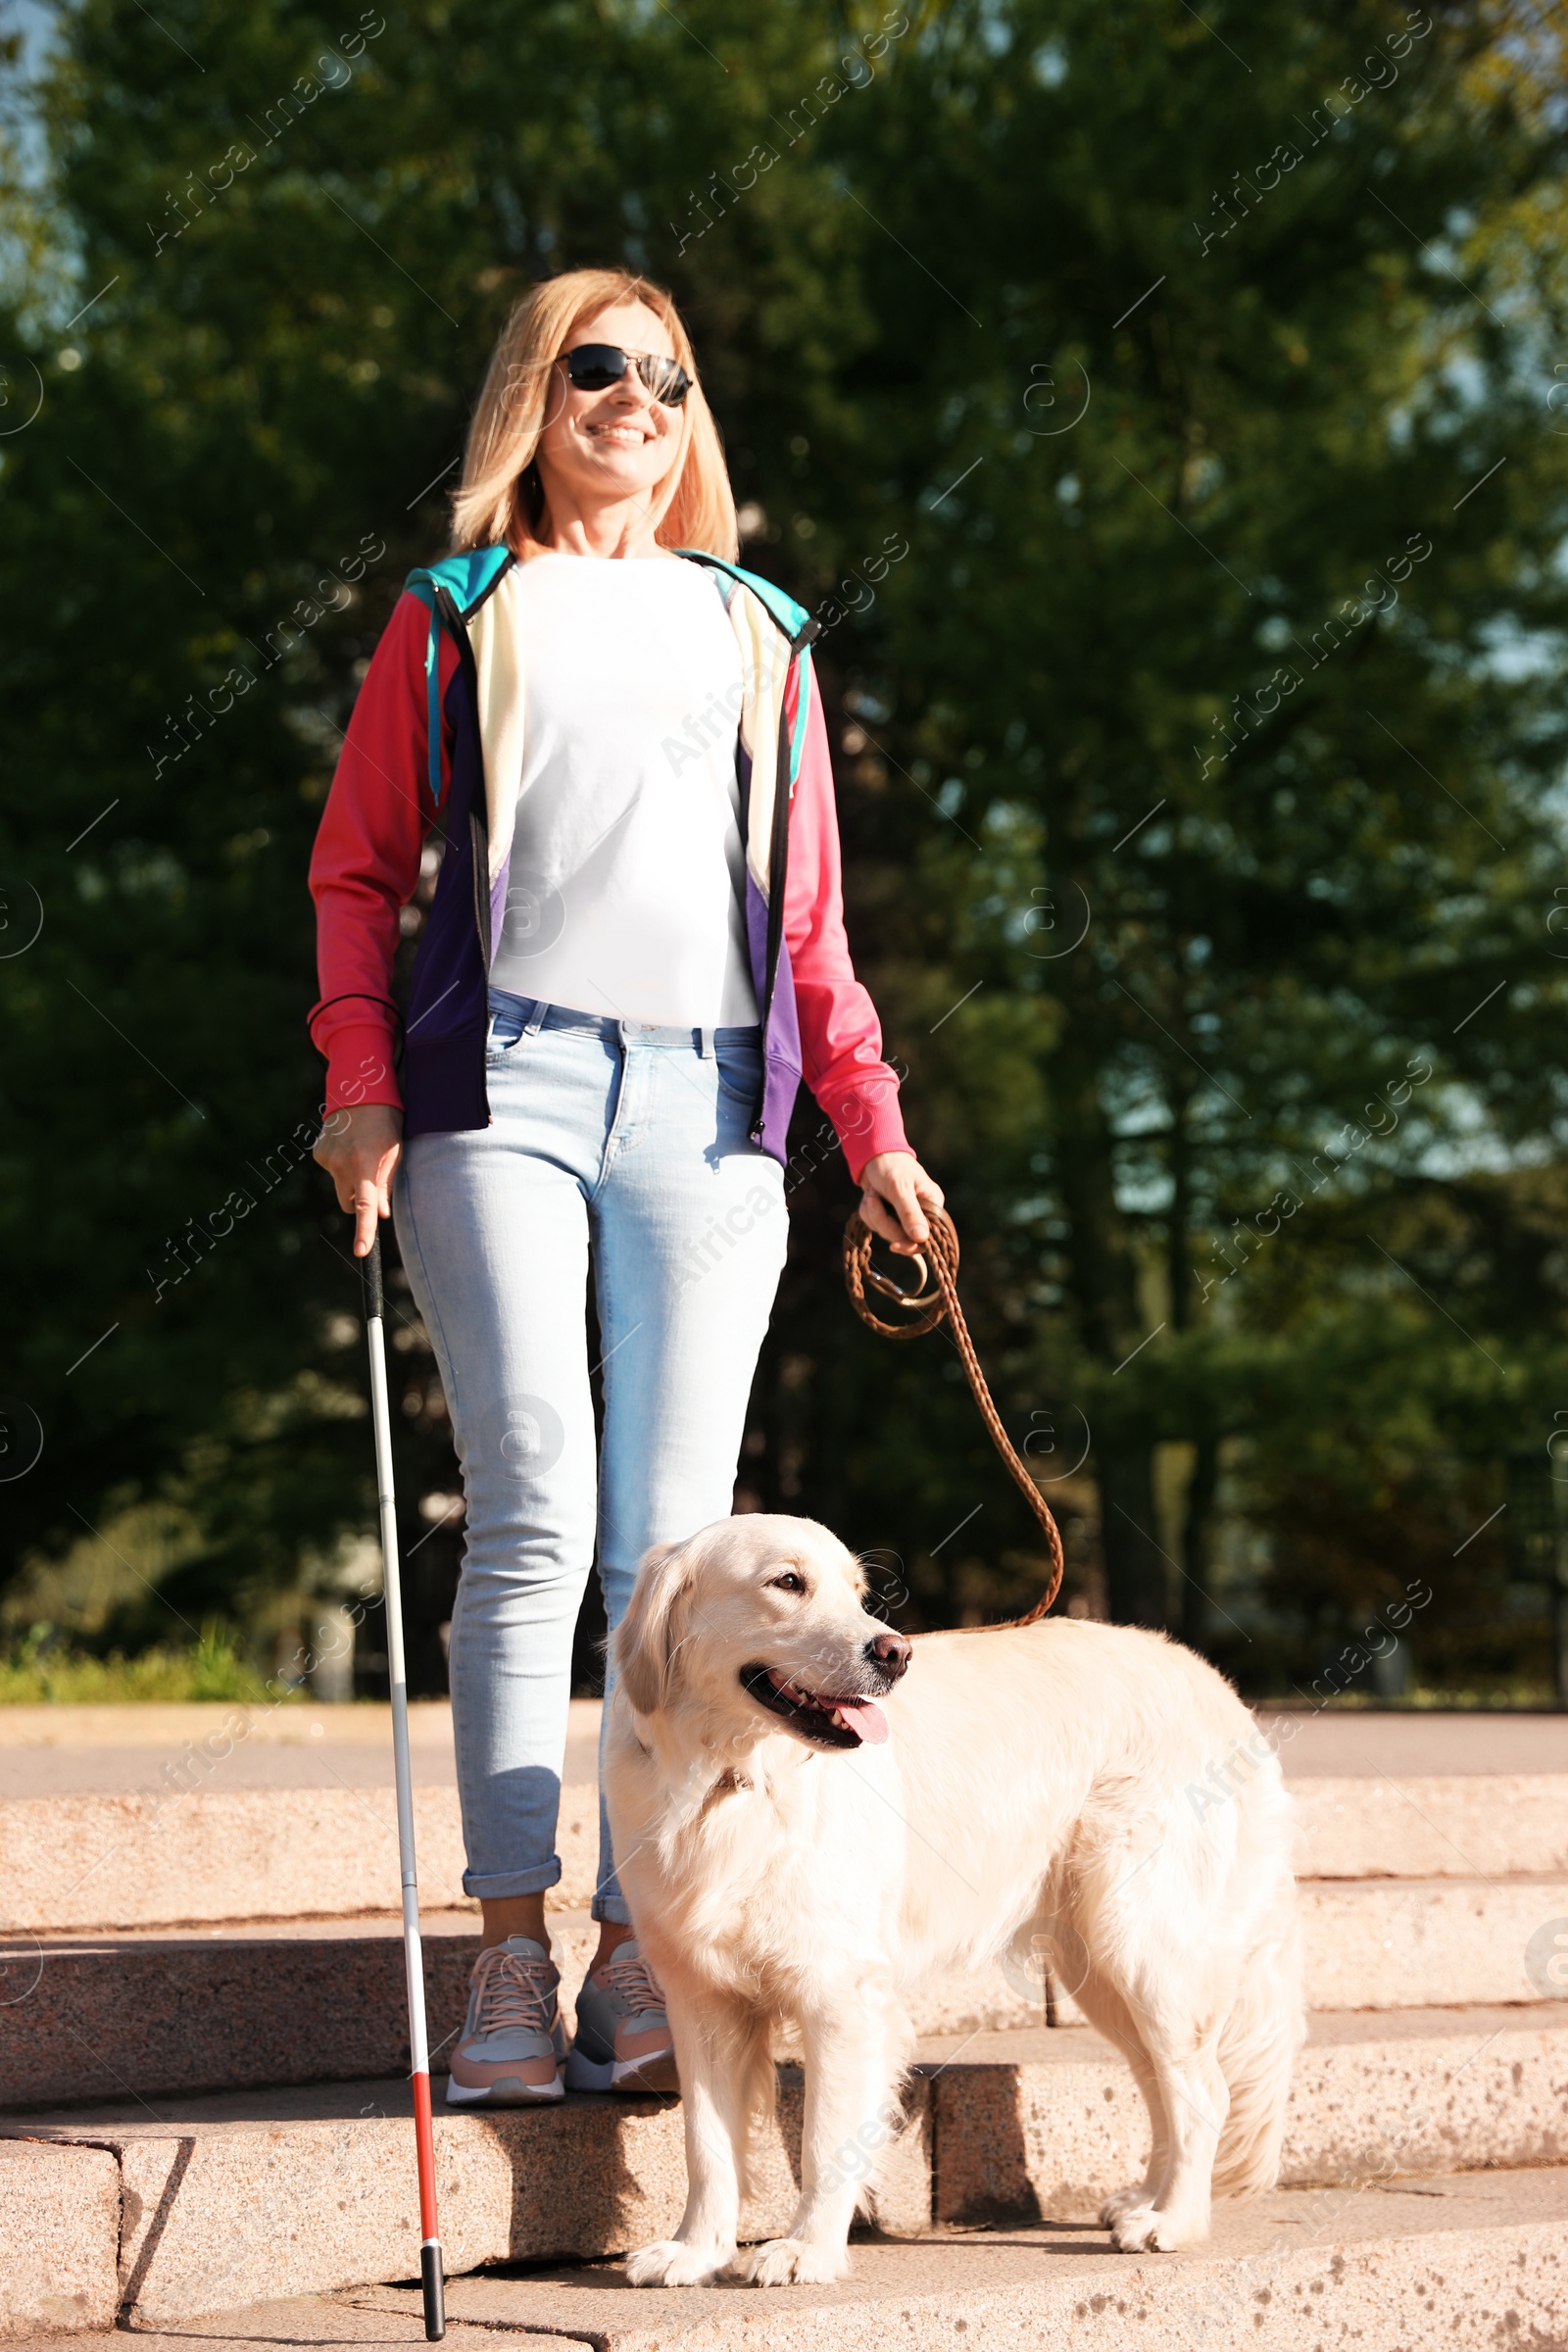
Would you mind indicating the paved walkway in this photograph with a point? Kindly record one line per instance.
(91, 1751)
(1411, 1743)
(80, 1751)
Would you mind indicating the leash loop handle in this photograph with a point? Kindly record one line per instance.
(934, 1302)
(920, 1297)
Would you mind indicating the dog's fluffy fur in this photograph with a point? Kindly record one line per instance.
(1090, 1787)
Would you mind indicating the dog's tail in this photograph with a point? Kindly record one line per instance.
(1258, 2044)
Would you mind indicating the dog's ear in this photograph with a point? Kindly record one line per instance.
(645, 1636)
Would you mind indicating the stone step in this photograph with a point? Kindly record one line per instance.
(235, 2197)
(1369, 1944)
(1403, 1943)
(59, 2213)
(1391, 1944)
(111, 2015)
(102, 2017)
(228, 2199)
(155, 1857)
(1047, 2124)
(186, 1850)
(1470, 2263)
(1434, 1827)
(1474, 2261)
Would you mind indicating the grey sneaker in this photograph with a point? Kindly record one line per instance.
(624, 2041)
(513, 2043)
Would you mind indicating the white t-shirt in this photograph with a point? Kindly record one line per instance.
(626, 888)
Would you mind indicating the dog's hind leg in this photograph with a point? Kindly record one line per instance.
(1109, 2014)
(1197, 2103)
(853, 2047)
(1164, 2026)
(720, 2049)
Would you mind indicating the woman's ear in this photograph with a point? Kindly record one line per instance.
(644, 1639)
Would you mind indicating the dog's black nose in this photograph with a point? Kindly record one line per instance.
(891, 1651)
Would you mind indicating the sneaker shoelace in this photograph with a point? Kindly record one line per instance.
(515, 1991)
(636, 1981)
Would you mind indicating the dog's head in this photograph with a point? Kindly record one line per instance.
(760, 1617)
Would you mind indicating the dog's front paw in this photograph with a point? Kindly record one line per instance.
(791, 2262)
(1132, 2221)
(1123, 2201)
(1139, 2230)
(669, 2263)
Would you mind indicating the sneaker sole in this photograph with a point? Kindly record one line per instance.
(629, 2075)
(507, 2092)
(648, 2073)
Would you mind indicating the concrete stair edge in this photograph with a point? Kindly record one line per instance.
(171, 1857)
(1479, 2260)
(227, 2200)
(165, 2014)
(1469, 2273)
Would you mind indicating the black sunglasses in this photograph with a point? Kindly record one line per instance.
(595, 367)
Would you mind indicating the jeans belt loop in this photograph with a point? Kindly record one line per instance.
(535, 1021)
(706, 1036)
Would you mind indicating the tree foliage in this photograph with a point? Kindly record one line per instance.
(1160, 413)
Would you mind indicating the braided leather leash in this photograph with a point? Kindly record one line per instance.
(924, 1308)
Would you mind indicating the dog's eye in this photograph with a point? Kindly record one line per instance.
(788, 1583)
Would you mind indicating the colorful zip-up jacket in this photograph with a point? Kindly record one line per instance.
(436, 737)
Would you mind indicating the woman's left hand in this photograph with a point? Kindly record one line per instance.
(895, 1193)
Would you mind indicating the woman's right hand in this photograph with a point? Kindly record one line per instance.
(360, 1149)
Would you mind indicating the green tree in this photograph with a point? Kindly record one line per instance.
(1250, 670)
(1200, 367)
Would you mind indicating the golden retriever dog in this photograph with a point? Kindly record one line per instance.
(810, 1812)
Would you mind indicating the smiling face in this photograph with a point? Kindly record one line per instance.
(758, 1622)
(602, 449)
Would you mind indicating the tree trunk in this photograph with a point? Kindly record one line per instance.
(1103, 1282)
(1195, 1525)
(1135, 1564)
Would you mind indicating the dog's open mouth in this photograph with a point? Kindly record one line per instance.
(825, 1720)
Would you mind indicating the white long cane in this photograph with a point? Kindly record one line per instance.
(435, 2324)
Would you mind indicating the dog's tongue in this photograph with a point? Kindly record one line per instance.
(865, 1716)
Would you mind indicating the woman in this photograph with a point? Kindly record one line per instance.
(635, 948)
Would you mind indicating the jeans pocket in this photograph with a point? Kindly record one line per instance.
(740, 1072)
(503, 1036)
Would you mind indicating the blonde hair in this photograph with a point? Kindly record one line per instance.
(500, 496)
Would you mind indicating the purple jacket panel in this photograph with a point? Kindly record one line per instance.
(443, 1053)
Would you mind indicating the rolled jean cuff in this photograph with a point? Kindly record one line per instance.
(496, 1886)
(610, 1907)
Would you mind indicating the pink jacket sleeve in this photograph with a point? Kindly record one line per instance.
(841, 1037)
(366, 865)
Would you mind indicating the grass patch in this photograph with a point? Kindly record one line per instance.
(42, 1671)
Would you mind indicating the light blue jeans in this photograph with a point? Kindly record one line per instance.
(624, 1147)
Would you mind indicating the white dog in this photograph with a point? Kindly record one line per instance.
(802, 1833)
